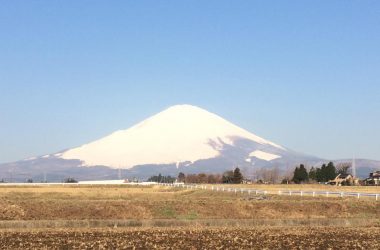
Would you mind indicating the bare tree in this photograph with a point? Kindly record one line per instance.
(344, 168)
(271, 175)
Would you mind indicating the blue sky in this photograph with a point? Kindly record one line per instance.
(304, 74)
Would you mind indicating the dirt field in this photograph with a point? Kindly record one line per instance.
(132, 217)
(206, 238)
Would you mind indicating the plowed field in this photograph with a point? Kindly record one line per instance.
(206, 238)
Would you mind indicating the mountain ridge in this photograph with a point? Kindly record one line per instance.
(182, 138)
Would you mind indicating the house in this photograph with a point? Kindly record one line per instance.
(373, 179)
(344, 180)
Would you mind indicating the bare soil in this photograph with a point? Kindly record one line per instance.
(200, 238)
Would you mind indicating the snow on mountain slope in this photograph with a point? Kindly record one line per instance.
(264, 155)
(182, 133)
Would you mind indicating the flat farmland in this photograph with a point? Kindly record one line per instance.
(155, 202)
(157, 217)
(274, 188)
(199, 238)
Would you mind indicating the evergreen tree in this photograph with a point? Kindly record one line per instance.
(326, 172)
(330, 172)
(304, 177)
(227, 177)
(320, 173)
(237, 177)
(300, 175)
(313, 174)
(295, 178)
(161, 179)
(70, 180)
(181, 177)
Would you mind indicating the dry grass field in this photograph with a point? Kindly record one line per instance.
(154, 217)
(134, 202)
(274, 188)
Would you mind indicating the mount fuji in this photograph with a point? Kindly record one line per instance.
(182, 138)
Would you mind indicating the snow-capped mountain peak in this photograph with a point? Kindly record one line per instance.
(181, 133)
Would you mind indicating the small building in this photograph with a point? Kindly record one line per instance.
(373, 179)
(343, 180)
(246, 181)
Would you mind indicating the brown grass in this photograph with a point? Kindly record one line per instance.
(274, 188)
(123, 203)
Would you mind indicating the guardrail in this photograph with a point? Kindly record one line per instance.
(279, 192)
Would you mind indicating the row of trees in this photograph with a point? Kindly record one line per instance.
(30, 180)
(234, 177)
(162, 179)
(323, 174)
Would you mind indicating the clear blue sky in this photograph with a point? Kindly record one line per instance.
(304, 74)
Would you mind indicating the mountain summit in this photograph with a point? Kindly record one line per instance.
(182, 138)
(182, 133)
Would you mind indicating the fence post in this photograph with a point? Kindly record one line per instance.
(341, 194)
(290, 193)
(377, 196)
(313, 194)
(358, 195)
(327, 194)
(279, 192)
(301, 193)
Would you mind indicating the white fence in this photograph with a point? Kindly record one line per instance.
(280, 192)
(81, 183)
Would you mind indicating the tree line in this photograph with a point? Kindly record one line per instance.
(300, 174)
(231, 177)
(324, 173)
